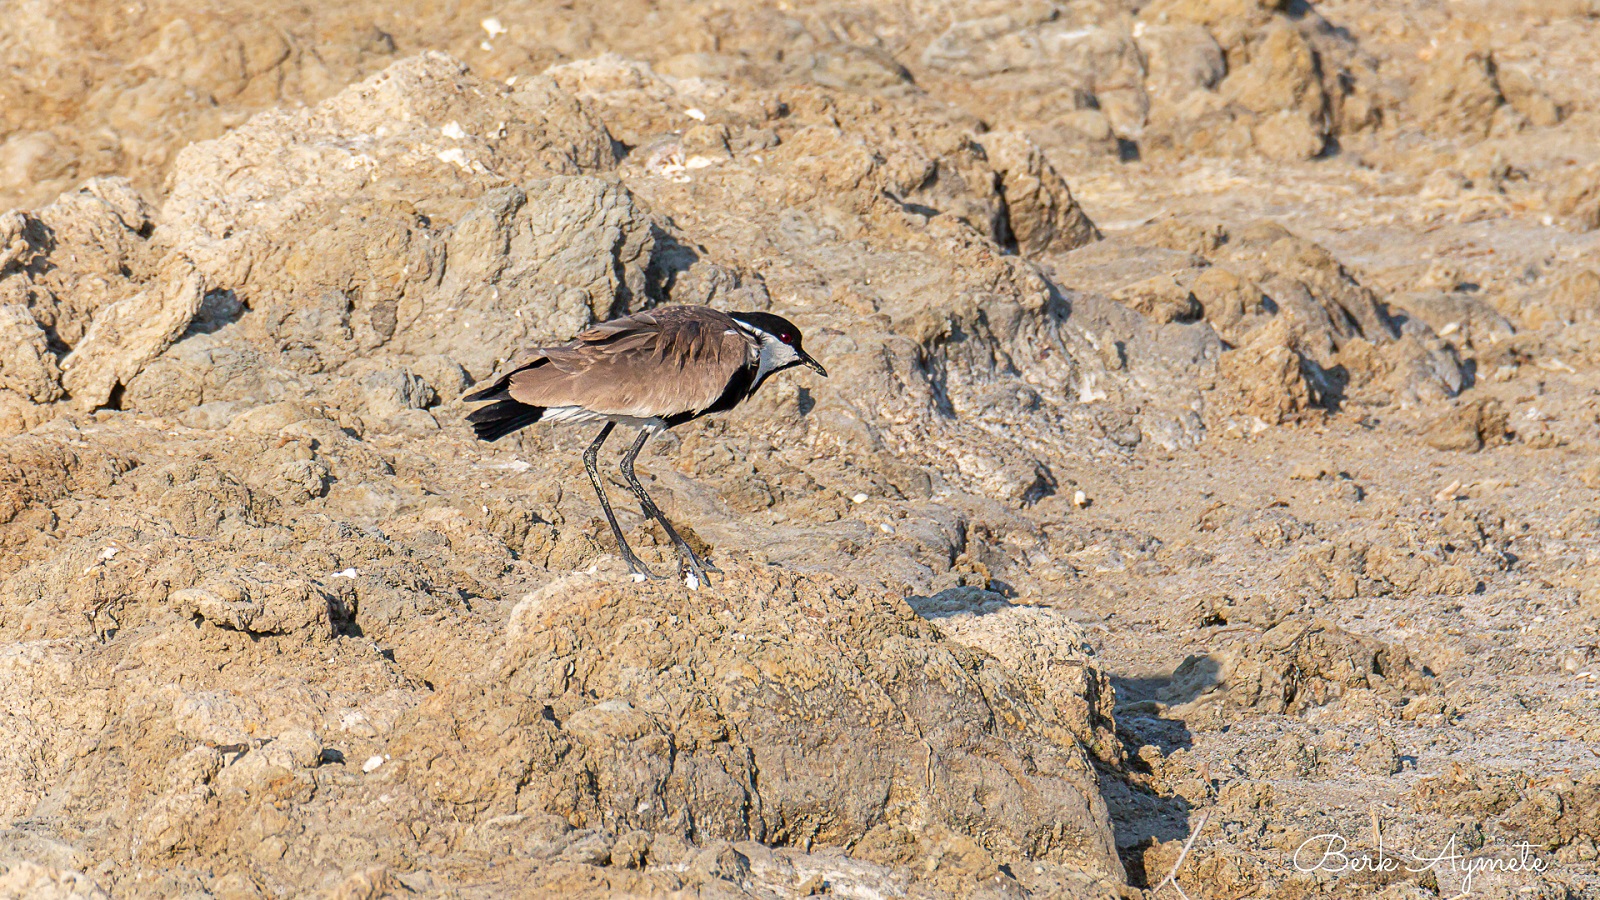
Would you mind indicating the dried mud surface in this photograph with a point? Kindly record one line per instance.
(1209, 457)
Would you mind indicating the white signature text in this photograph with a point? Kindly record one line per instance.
(1332, 853)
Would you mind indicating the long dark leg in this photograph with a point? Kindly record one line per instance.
(686, 554)
(634, 565)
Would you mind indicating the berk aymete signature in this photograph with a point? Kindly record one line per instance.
(1332, 853)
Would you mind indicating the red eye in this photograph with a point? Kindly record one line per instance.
(786, 337)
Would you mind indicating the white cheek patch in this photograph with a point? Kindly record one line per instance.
(774, 354)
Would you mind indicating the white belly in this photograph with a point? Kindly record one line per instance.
(577, 415)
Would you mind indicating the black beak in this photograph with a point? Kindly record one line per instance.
(815, 366)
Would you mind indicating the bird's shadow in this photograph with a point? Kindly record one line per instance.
(669, 259)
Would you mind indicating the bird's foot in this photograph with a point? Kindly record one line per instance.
(640, 571)
(692, 569)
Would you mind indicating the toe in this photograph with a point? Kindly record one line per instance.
(641, 571)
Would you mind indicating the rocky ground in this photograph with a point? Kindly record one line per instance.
(1208, 458)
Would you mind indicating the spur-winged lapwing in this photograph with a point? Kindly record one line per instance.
(653, 370)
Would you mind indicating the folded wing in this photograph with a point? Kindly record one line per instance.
(664, 362)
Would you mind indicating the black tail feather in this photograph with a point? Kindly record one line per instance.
(497, 420)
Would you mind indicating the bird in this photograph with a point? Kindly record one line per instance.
(652, 370)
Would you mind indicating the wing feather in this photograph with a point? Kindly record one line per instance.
(664, 362)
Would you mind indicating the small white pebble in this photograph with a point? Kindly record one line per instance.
(886, 528)
(1448, 493)
(454, 130)
(484, 485)
(110, 552)
(692, 581)
(493, 26)
(696, 114)
(372, 763)
(860, 498)
(485, 46)
(385, 798)
(344, 573)
(454, 156)
(637, 578)
(1080, 499)
(512, 81)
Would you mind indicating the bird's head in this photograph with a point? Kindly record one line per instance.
(779, 341)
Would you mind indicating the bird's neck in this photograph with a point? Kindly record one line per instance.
(769, 359)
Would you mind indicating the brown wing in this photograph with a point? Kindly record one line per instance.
(662, 362)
